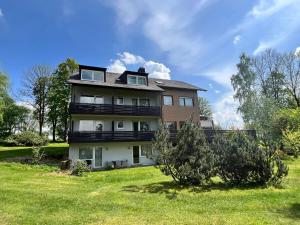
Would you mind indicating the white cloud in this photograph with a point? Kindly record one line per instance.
(129, 58)
(117, 66)
(1, 13)
(210, 85)
(297, 52)
(221, 75)
(155, 69)
(226, 112)
(166, 23)
(236, 39)
(217, 91)
(269, 7)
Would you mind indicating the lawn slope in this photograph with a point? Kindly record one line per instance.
(39, 195)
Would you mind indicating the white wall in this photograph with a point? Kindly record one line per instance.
(113, 152)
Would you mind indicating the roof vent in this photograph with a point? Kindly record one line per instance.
(159, 82)
(141, 70)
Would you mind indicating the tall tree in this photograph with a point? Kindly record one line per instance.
(59, 97)
(35, 89)
(205, 108)
(3, 92)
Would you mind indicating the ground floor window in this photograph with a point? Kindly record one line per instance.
(146, 150)
(92, 155)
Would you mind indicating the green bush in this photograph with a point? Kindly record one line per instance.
(291, 141)
(37, 154)
(239, 160)
(27, 138)
(190, 161)
(79, 167)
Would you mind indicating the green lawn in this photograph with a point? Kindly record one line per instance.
(39, 195)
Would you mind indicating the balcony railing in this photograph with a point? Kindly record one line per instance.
(106, 109)
(105, 136)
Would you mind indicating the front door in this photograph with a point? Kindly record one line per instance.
(136, 154)
(98, 156)
(135, 126)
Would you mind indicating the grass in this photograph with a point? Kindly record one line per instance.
(53, 149)
(40, 195)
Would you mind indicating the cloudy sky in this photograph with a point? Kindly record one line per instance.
(195, 41)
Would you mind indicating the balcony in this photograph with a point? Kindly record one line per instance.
(107, 136)
(109, 109)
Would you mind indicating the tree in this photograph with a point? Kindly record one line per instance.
(59, 97)
(3, 92)
(191, 160)
(35, 89)
(205, 108)
(14, 118)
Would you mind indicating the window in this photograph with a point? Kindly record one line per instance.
(144, 126)
(142, 80)
(91, 99)
(85, 153)
(120, 125)
(136, 80)
(92, 75)
(146, 150)
(90, 125)
(171, 125)
(120, 101)
(86, 125)
(181, 123)
(144, 102)
(168, 100)
(185, 101)
(86, 99)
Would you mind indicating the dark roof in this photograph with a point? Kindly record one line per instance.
(174, 84)
(154, 84)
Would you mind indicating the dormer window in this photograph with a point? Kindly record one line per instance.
(92, 75)
(136, 80)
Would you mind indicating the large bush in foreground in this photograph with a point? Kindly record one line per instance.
(27, 138)
(190, 160)
(240, 160)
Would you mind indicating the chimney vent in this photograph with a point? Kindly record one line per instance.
(141, 70)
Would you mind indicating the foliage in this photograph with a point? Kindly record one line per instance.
(3, 92)
(239, 160)
(79, 167)
(27, 138)
(14, 118)
(37, 154)
(205, 108)
(291, 141)
(191, 160)
(59, 97)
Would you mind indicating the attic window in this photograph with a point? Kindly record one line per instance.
(136, 80)
(92, 75)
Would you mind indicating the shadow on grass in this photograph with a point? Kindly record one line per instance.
(292, 212)
(170, 188)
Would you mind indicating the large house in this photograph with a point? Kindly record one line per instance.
(114, 116)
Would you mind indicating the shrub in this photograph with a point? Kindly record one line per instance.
(190, 161)
(37, 154)
(239, 160)
(79, 167)
(291, 141)
(27, 138)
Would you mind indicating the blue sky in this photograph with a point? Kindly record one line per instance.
(195, 41)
